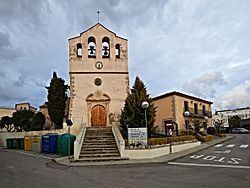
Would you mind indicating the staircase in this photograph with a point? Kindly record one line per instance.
(99, 145)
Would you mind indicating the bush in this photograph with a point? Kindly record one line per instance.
(222, 135)
(206, 138)
(211, 130)
(162, 141)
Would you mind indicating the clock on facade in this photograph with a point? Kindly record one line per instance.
(99, 65)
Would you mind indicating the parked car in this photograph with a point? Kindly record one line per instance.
(240, 130)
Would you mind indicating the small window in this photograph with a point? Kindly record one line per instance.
(117, 51)
(91, 47)
(204, 110)
(186, 106)
(79, 50)
(105, 47)
(195, 108)
(98, 82)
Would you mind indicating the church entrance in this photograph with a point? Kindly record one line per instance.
(98, 116)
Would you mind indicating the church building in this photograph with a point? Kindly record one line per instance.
(99, 78)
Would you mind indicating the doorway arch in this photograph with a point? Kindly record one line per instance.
(98, 116)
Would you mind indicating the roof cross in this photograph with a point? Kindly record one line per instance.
(98, 12)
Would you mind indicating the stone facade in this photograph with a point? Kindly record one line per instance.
(99, 79)
(171, 106)
(25, 106)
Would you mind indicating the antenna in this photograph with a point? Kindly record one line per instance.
(98, 12)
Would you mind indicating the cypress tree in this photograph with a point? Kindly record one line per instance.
(57, 96)
(133, 115)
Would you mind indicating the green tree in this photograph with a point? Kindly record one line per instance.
(133, 115)
(22, 120)
(38, 121)
(234, 121)
(57, 96)
(6, 122)
(218, 124)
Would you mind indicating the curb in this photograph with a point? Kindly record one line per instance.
(160, 160)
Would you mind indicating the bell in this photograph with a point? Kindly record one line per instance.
(105, 48)
(91, 49)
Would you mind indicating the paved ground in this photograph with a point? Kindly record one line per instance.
(234, 153)
(21, 170)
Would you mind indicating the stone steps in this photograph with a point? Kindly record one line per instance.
(99, 145)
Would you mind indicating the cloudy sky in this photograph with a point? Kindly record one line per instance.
(199, 47)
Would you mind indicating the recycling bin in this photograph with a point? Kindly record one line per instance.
(27, 143)
(49, 143)
(9, 142)
(65, 142)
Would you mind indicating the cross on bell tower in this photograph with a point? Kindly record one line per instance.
(98, 15)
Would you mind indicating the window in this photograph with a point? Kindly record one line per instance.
(98, 81)
(186, 106)
(195, 108)
(117, 51)
(91, 47)
(204, 110)
(105, 47)
(79, 50)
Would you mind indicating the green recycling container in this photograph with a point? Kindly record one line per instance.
(9, 142)
(20, 143)
(15, 143)
(63, 143)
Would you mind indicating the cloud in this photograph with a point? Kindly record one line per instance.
(205, 85)
(236, 97)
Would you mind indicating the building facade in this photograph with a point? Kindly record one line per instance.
(99, 78)
(186, 111)
(6, 112)
(25, 106)
(243, 113)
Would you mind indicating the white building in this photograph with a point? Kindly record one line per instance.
(243, 113)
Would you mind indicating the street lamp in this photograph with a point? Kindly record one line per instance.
(145, 105)
(187, 114)
(69, 124)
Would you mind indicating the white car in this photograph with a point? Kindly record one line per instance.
(240, 130)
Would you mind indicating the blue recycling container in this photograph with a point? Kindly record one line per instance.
(49, 143)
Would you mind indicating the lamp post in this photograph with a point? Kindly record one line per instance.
(69, 124)
(205, 127)
(145, 105)
(187, 114)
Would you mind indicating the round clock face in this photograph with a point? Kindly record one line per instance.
(99, 65)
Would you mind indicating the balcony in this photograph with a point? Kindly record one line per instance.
(199, 114)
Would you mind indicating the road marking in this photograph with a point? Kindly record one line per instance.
(244, 146)
(230, 145)
(227, 151)
(218, 145)
(209, 165)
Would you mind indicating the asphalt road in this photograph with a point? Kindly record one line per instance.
(22, 170)
(234, 153)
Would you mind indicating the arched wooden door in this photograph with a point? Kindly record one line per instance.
(98, 116)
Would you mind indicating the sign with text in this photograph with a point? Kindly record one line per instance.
(137, 136)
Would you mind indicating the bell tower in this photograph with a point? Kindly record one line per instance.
(99, 78)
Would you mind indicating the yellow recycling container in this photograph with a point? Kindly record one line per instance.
(27, 143)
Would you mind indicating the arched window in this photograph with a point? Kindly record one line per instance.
(79, 50)
(91, 47)
(105, 47)
(117, 51)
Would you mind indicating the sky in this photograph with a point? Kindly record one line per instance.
(198, 47)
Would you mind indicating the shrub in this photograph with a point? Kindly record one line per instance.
(222, 135)
(206, 138)
(211, 130)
